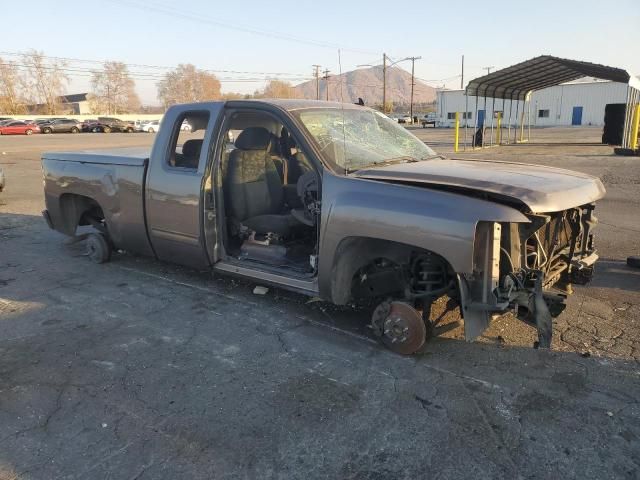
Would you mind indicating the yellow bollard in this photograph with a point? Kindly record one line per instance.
(498, 131)
(457, 134)
(635, 127)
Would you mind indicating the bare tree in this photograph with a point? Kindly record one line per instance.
(188, 84)
(232, 96)
(277, 89)
(114, 91)
(45, 79)
(11, 92)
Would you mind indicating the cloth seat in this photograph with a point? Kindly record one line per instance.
(190, 156)
(254, 193)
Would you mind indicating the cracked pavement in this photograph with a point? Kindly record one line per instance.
(143, 370)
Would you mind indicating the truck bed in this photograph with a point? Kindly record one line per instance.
(113, 179)
(133, 156)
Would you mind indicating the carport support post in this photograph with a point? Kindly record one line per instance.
(498, 127)
(522, 121)
(493, 116)
(484, 120)
(515, 127)
(457, 133)
(475, 125)
(466, 117)
(500, 120)
(509, 124)
(529, 121)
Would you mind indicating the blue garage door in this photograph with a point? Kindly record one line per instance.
(576, 118)
(480, 118)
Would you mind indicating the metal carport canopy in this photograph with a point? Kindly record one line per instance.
(517, 81)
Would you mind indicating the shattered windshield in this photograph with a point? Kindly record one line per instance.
(356, 138)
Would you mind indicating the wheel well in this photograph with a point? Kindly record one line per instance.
(78, 210)
(369, 267)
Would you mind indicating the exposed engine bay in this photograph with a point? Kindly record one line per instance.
(530, 267)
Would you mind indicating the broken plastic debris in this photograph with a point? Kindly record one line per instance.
(260, 290)
(610, 414)
(104, 425)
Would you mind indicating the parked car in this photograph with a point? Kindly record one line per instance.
(428, 119)
(352, 207)
(89, 124)
(405, 119)
(50, 119)
(110, 124)
(151, 127)
(138, 124)
(18, 127)
(8, 120)
(186, 126)
(2, 119)
(61, 126)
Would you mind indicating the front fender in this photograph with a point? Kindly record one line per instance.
(441, 222)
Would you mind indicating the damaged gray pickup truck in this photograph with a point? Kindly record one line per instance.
(336, 201)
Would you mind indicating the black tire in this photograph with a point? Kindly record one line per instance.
(633, 261)
(28, 132)
(98, 248)
(106, 129)
(46, 130)
(74, 130)
(129, 130)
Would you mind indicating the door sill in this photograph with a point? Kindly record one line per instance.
(270, 276)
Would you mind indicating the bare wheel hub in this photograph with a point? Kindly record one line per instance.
(396, 328)
(400, 327)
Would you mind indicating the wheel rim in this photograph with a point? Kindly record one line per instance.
(29, 132)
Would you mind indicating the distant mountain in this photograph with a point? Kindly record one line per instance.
(367, 84)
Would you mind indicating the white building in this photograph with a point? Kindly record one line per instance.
(574, 103)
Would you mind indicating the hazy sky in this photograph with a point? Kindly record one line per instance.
(289, 36)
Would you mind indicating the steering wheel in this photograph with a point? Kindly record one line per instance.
(307, 189)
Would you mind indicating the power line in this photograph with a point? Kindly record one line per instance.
(155, 67)
(197, 17)
(86, 73)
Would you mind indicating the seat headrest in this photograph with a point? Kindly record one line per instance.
(191, 148)
(253, 138)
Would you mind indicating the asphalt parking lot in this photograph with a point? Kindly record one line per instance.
(138, 369)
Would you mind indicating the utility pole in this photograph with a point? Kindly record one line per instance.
(413, 82)
(384, 83)
(488, 69)
(462, 76)
(316, 73)
(326, 82)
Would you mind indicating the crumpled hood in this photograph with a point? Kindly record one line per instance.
(541, 188)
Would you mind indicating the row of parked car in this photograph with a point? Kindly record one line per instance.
(11, 126)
